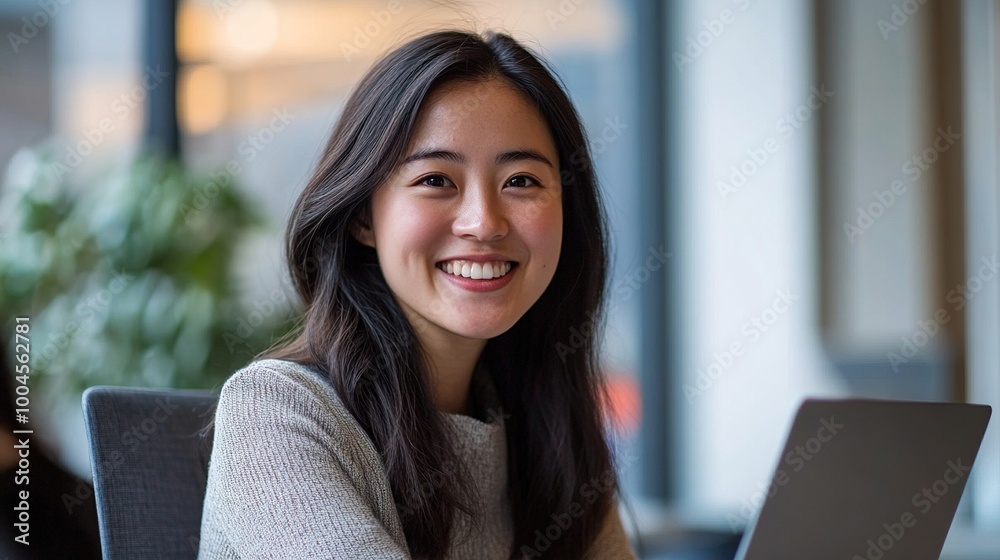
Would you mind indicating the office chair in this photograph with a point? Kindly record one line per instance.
(150, 466)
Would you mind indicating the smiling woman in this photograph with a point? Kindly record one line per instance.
(479, 196)
(441, 249)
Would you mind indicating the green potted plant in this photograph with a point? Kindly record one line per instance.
(127, 279)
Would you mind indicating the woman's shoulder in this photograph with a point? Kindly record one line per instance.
(298, 405)
(288, 459)
(269, 379)
(273, 373)
(278, 387)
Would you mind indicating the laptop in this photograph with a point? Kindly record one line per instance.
(867, 480)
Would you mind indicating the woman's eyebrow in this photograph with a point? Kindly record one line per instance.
(518, 155)
(501, 159)
(433, 153)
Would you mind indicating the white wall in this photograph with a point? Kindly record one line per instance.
(741, 249)
(881, 268)
(981, 30)
(98, 98)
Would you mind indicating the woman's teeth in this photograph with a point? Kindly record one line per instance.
(476, 270)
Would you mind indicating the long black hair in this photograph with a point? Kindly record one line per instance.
(547, 381)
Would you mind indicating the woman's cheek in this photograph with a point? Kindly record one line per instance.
(541, 207)
(542, 231)
(415, 225)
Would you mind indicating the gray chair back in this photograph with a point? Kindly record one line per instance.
(150, 465)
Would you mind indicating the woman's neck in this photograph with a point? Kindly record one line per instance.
(452, 361)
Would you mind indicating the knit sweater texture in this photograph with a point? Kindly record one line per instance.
(293, 475)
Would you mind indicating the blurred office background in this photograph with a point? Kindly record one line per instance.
(803, 197)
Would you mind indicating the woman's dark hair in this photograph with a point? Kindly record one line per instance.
(544, 367)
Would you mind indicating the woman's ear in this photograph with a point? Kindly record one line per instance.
(361, 229)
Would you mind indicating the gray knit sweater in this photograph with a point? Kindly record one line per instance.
(293, 475)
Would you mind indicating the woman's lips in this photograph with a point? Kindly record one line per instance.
(478, 285)
(477, 270)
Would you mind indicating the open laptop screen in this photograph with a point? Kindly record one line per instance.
(868, 480)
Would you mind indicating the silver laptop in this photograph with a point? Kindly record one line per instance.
(867, 480)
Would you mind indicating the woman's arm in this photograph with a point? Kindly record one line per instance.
(287, 479)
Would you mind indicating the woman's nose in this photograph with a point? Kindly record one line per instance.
(481, 216)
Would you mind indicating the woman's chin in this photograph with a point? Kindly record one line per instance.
(481, 331)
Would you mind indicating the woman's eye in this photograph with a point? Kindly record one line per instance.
(435, 181)
(521, 181)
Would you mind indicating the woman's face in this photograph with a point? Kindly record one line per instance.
(469, 228)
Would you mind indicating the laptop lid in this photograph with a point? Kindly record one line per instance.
(867, 480)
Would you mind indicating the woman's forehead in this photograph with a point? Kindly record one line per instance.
(488, 115)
